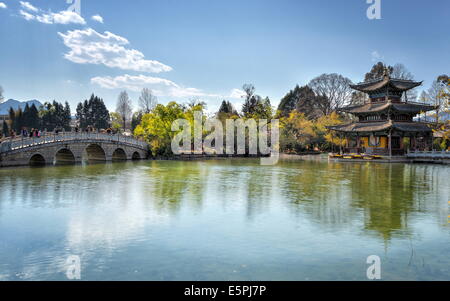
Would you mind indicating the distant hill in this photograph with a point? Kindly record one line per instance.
(15, 104)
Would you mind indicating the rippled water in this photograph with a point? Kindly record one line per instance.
(225, 220)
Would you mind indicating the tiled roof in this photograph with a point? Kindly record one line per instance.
(401, 107)
(378, 126)
(399, 84)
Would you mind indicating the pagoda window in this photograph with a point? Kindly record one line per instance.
(372, 118)
(402, 117)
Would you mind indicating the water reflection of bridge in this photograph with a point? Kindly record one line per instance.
(71, 148)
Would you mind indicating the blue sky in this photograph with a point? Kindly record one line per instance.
(208, 49)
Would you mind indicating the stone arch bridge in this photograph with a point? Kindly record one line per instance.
(71, 148)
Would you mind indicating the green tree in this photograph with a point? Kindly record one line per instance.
(93, 112)
(30, 118)
(377, 72)
(136, 120)
(254, 105)
(55, 116)
(116, 121)
(303, 100)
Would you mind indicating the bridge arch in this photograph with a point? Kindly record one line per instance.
(136, 156)
(95, 154)
(119, 155)
(37, 160)
(64, 156)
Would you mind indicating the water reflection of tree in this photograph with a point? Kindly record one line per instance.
(317, 191)
(335, 194)
(385, 193)
(259, 187)
(245, 182)
(174, 182)
(37, 187)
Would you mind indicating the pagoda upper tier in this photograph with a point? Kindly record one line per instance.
(386, 88)
(384, 83)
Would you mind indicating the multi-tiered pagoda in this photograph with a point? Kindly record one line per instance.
(386, 119)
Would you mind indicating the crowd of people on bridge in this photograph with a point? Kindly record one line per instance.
(36, 133)
(91, 129)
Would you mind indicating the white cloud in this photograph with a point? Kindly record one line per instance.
(63, 17)
(28, 6)
(159, 86)
(376, 56)
(236, 93)
(67, 17)
(3, 5)
(47, 19)
(97, 18)
(90, 47)
(26, 15)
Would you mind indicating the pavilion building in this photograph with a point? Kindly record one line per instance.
(386, 119)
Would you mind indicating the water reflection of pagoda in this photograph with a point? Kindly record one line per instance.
(385, 120)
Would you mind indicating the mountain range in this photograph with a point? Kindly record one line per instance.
(15, 104)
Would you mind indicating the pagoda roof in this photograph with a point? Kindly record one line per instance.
(401, 107)
(364, 127)
(397, 84)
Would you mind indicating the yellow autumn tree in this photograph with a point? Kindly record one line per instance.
(329, 138)
(156, 127)
(297, 132)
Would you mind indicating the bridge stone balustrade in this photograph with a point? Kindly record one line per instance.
(71, 148)
(430, 156)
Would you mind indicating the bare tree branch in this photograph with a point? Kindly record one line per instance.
(147, 101)
(124, 108)
(335, 88)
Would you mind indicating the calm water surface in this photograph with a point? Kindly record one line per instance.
(225, 220)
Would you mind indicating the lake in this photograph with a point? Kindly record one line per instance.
(228, 219)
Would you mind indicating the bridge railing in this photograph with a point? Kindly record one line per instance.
(429, 154)
(24, 142)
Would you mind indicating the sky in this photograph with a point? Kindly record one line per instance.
(207, 49)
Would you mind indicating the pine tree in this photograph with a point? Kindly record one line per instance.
(66, 117)
(34, 120)
(18, 121)
(26, 116)
(12, 117)
(93, 112)
(5, 129)
(227, 108)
